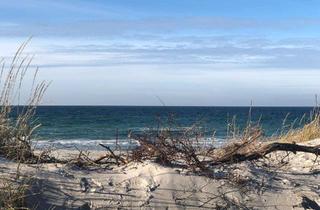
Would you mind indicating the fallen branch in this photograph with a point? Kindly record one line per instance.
(263, 150)
(98, 160)
(116, 157)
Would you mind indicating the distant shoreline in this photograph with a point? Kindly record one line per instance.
(183, 106)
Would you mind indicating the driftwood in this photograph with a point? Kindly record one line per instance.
(263, 150)
(98, 160)
(182, 151)
(118, 158)
(168, 150)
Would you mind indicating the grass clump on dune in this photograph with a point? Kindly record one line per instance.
(16, 124)
(309, 131)
(12, 194)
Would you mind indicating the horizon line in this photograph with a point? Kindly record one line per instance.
(90, 105)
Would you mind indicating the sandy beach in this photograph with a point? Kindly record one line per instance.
(168, 104)
(290, 182)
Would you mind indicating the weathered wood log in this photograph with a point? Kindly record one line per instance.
(263, 150)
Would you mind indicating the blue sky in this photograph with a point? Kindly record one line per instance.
(187, 52)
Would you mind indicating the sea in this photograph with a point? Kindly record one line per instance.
(88, 126)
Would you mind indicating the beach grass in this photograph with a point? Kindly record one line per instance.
(16, 132)
(17, 126)
(309, 131)
(13, 194)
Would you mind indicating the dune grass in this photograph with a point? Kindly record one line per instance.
(13, 194)
(16, 131)
(16, 123)
(309, 131)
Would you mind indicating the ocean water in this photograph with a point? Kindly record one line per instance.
(86, 126)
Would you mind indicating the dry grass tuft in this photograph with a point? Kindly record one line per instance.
(16, 123)
(308, 132)
(16, 131)
(12, 194)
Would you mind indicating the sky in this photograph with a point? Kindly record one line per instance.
(183, 52)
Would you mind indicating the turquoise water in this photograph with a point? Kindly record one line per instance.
(89, 125)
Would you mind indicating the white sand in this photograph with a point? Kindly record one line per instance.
(151, 186)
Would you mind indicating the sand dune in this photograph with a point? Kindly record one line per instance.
(295, 185)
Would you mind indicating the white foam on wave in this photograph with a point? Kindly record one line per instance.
(84, 143)
(113, 143)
